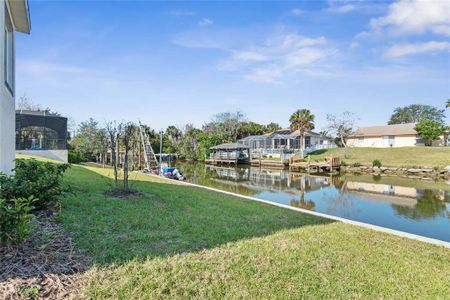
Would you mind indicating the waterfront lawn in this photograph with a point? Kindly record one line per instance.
(391, 157)
(174, 241)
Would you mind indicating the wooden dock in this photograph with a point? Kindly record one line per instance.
(328, 164)
(222, 161)
(268, 163)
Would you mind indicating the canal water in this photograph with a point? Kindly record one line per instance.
(418, 207)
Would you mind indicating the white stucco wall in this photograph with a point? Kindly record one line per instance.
(59, 155)
(315, 140)
(379, 142)
(7, 109)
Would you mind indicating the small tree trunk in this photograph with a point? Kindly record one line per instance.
(118, 151)
(125, 170)
(126, 141)
(114, 163)
(343, 141)
(132, 159)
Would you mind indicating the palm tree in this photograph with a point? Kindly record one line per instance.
(303, 121)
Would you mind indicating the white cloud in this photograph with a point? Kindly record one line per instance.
(279, 56)
(249, 55)
(346, 6)
(42, 68)
(182, 13)
(416, 48)
(342, 9)
(205, 22)
(408, 17)
(296, 12)
(354, 45)
(298, 41)
(267, 74)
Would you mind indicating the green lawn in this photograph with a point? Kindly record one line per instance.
(175, 241)
(391, 157)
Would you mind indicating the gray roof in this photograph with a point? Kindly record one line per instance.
(397, 129)
(41, 113)
(229, 146)
(253, 138)
(293, 134)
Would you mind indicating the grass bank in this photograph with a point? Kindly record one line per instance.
(391, 157)
(175, 241)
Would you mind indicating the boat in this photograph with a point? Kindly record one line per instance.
(173, 173)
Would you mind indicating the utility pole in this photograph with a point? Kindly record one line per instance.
(160, 152)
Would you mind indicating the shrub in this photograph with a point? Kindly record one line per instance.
(376, 163)
(357, 165)
(376, 178)
(43, 180)
(76, 157)
(14, 219)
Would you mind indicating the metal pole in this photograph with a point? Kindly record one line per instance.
(160, 152)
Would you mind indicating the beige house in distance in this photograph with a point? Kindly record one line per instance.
(386, 136)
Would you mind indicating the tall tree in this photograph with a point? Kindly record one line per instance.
(271, 127)
(250, 128)
(430, 130)
(448, 103)
(415, 113)
(226, 125)
(25, 103)
(102, 145)
(89, 139)
(303, 121)
(189, 148)
(342, 126)
(174, 136)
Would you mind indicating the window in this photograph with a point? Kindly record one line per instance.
(307, 141)
(360, 138)
(9, 52)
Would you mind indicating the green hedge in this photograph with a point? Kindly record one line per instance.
(35, 185)
(76, 157)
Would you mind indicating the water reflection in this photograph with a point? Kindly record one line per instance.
(421, 208)
(430, 203)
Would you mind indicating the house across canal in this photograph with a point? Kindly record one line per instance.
(230, 153)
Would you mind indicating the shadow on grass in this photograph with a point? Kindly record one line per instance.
(166, 219)
(318, 152)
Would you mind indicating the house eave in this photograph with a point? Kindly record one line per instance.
(20, 14)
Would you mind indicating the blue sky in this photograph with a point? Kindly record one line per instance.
(182, 62)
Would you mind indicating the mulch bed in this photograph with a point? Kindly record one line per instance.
(44, 266)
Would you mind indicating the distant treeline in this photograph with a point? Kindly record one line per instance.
(91, 138)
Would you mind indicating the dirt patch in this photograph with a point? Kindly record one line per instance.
(45, 266)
